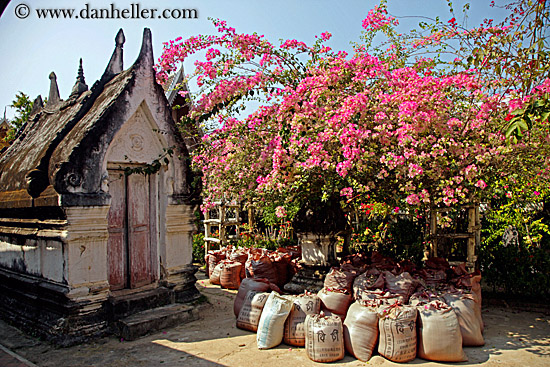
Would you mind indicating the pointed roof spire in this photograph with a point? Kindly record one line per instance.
(116, 64)
(53, 97)
(80, 85)
(145, 57)
(37, 105)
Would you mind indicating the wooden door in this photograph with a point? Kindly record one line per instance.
(117, 243)
(129, 243)
(139, 236)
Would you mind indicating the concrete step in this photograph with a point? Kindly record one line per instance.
(125, 305)
(156, 319)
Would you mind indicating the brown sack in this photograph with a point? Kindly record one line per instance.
(324, 340)
(439, 337)
(434, 277)
(212, 259)
(397, 326)
(361, 331)
(250, 313)
(249, 284)
(365, 282)
(339, 279)
(472, 282)
(465, 308)
(230, 276)
(304, 304)
(259, 265)
(240, 256)
(281, 264)
(334, 301)
(402, 285)
(423, 297)
(215, 275)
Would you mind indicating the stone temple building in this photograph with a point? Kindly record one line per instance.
(87, 240)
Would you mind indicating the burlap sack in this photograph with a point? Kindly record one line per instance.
(439, 337)
(213, 258)
(230, 275)
(272, 322)
(250, 313)
(215, 275)
(324, 340)
(335, 302)
(281, 264)
(470, 327)
(338, 279)
(472, 283)
(402, 285)
(240, 255)
(424, 297)
(361, 330)
(365, 283)
(303, 305)
(249, 284)
(259, 265)
(397, 326)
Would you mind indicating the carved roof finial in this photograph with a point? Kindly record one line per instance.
(80, 85)
(116, 64)
(37, 105)
(145, 60)
(120, 39)
(53, 97)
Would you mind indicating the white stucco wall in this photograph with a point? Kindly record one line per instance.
(86, 245)
(39, 257)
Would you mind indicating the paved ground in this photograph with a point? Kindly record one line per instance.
(11, 359)
(514, 338)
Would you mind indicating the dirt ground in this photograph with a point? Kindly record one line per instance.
(513, 338)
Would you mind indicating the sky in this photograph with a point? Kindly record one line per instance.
(31, 47)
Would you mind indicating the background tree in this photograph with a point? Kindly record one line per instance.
(387, 125)
(23, 107)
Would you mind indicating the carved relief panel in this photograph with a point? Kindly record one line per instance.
(136, 142)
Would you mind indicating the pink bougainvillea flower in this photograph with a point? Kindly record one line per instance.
(280, 212)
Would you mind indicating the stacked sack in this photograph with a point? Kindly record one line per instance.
(302, 306)
(336, 295)
(296, 320)
(367, 306)
(228, 266)
(434, 311)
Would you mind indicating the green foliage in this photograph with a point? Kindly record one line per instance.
(522, 119)
(398, 237)
(516, 268)
(23, 108)
(198, 248)
(270, 218)
(153, 167)
(270, 238)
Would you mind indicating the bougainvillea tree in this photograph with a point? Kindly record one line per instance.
(381, 126)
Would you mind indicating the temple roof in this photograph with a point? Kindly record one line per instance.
(58, 140)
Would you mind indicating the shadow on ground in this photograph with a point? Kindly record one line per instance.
(512, 338)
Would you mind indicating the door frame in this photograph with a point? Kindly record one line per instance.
(114, 171)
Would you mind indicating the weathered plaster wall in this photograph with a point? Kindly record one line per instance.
(178, 233)
(86, 246)
(33, 247)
